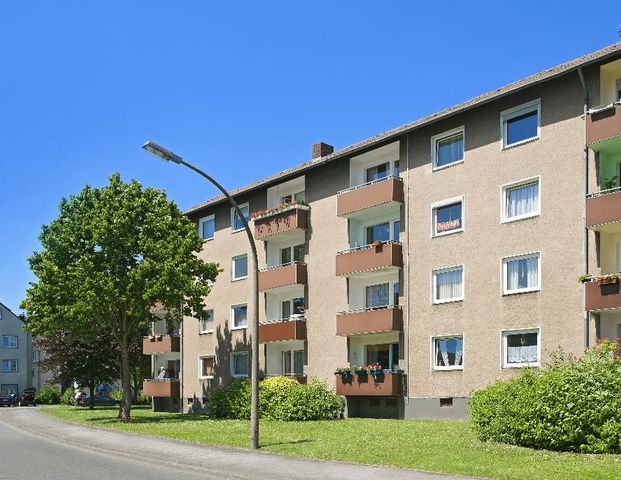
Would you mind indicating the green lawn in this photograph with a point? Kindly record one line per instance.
(439, 446)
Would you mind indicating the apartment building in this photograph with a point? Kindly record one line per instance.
(448, 251)
(15, 353)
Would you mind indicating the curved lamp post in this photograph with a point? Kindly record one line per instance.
(169, 156)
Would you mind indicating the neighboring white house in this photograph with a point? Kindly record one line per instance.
(16, 370)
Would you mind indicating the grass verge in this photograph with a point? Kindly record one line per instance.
(438, 446)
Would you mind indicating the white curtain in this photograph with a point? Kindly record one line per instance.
(522, 273)
(459, 353)
(449, 284)
(377, 295)
(450, 150)
(522, 200)
(522, 354)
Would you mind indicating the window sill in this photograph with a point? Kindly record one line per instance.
(209, 377)
(518, 219)
(518, 292)
(238, 230)
(206, 332)
(239, 279)
(452, 300)
(521, 142)
(450, 232)
(460, 368)
(448, 165)
(239, 328)
(522, 365)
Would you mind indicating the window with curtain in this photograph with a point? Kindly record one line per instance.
(240, 316)
(239, 364)
(448, 285)
(293, 362)
(521, 348)
(520, 124)
(449, 149)
(522, 200)
(206, 367)
(448, 353)
(378, 172)
(377, 295)
(521, 273)
(378, 233)
(236, 222)
(447, 218)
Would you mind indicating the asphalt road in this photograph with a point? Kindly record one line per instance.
(34, 446)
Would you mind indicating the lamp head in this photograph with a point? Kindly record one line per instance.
(161, 152)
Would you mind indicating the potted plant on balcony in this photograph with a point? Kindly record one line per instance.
(610, 182)
(585, 278)
(608, 279)
(344, 372)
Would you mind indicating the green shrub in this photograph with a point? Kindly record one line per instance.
(67, 398)
(569, 405)
(48, 396)
(280, 398)
(142, 399)
(117, 395)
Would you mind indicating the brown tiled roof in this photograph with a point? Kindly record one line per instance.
(395, 132)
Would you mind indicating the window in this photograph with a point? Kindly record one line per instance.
(297, 252)
(520, 124)
(383, 232)
(207, 227)
(378, 172)
(447, 217)
(521, 273)
(292, 308)
(236, 221)
(8, 388)
(447, 148)
(396, 289)
(520, 200)
(9, 341)
(520, 348)
(386, 354)
(240, 316)
(296, 197)
(206, 366)
(448, 284)
(239, 364)
(396, 168)
(206, 323)
(448, 353)
(9, 366)
(377, 295)
(239, 267)
(295, 367)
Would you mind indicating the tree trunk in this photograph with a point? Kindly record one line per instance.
(91, 402)
(126, 402)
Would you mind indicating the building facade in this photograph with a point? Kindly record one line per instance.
(446, 252)
(15, 353)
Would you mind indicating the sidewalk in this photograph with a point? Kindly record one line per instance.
(213, 461)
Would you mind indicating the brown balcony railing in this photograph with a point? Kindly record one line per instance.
(602, 124)
(368, 195)
(168, 388)
(277, 331)
(280, 220)
(385, 385)
(370, 320)
(154, 344)
(603, 207)
(602, 296)
(378, 256)
(282, 276)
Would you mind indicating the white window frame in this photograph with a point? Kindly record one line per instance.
(238, 375)
(233, 271)
(446, 203)
(434, 150)
(503, 347)
(504, 190)
(391, 228)
(451, 268)
(200, 226)
(200, 367)
(503, 273)
(241, 207)
(391, 170)
(282, 362)
(233, 327)
(510, 113)
(9, 370)
(202, 331)
(9, 337)
(434, 367)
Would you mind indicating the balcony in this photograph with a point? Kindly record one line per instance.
(602, 296)
(386, 319)
(168, 388)
(603, 208)
(282, 276)
(292, 329)
(603, 127)
(280, 220)
(378, 256)
(155, 344)
(383, 385)
(387, 191)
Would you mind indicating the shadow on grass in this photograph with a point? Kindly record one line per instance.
(291, 442)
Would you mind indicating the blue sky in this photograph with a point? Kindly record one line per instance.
(242, 89)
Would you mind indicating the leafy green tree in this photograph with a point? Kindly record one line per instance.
(110, 257)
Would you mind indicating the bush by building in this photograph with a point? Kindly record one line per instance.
(571, 404)
(68, 398)
(48, 396)
(280, 398)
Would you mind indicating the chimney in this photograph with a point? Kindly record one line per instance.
(321, 150)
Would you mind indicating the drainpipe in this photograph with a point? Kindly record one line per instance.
(585, 243)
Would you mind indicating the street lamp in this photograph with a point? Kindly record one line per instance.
(169, 156)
